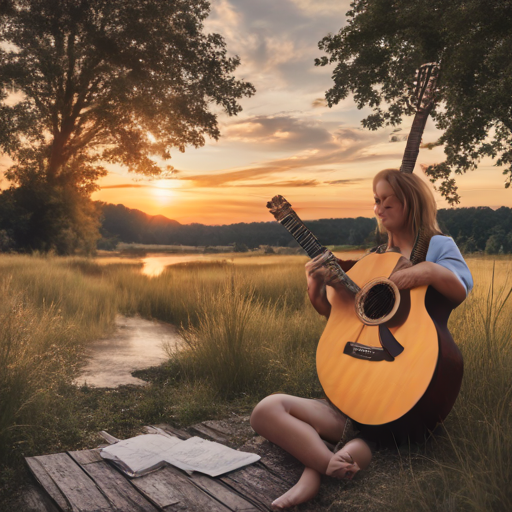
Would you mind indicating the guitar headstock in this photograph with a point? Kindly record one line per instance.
(279, 207)
(426, 82)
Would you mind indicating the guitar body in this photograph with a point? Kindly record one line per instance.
(419, 387)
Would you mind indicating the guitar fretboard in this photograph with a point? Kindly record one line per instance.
(303, 235)
(284, 214)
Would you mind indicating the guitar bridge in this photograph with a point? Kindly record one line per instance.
(360, 351)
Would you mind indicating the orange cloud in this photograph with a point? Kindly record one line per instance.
(124, 185)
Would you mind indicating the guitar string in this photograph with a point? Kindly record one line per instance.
(377, 304)
(374, 304)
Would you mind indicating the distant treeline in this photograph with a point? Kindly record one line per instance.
(474, 229)
(479, 229)
(133, 226)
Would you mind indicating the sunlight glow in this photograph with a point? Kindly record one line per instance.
(163, 191)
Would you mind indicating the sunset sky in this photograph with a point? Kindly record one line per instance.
(286, 141)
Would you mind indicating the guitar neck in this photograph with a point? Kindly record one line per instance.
(414, 140)
(285, 215)
(305, 238)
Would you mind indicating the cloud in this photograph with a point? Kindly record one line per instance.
(124, 185)
(345, 182)
(277, 41)
(323, 7)
(312, 146)
(306, 163)
(216, 180)
(319, 102)
(282, 132)
(291, 183)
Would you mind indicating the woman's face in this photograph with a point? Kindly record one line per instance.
(388, 208)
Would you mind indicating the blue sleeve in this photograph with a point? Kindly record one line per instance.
(444, 251)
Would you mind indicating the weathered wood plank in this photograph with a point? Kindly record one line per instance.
(275, 459)
(83, 457)
(47, 483)
(157, 490)
(80, 492)
(172, 490)
(209, 433)
(222, 493)
(110, 439)
(182, 434)
(257, 484)
(158, 430)
(113, 484)
(35, 499)
(228, 428)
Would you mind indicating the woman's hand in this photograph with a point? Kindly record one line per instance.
(428, 273)
(317, 272)
(314, 269)
(403, 275)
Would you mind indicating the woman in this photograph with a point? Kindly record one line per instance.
(403, 205)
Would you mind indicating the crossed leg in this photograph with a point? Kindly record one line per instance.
(299, 425)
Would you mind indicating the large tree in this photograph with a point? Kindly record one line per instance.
(384, 41)
(84, 82)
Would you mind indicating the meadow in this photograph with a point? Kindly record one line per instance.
(249, 330)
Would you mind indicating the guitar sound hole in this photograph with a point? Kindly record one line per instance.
(379, 301)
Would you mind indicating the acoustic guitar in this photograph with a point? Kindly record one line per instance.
(384, 355)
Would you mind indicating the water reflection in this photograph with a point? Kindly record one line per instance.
(154, 264)
(136, 344)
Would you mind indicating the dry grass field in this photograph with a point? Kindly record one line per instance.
(249, 331)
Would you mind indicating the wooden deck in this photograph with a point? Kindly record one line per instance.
(81, 481)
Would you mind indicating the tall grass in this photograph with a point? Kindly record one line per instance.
(248, 338)
(480, 427)
(65, 284)
(48, 311)
(176, 295)
(34, 344)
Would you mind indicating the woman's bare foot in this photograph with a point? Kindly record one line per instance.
(305, 489)
(342, 466)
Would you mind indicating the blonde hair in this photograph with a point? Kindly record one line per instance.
(420, 207)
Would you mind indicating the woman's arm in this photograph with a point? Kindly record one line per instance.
(437, 276)
(316, 289)
(318, 297)
(318, 276)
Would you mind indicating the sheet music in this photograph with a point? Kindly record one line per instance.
(142, 452)
(138, 455)
(214, 459)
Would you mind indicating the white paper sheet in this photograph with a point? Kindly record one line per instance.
(146, 452)
(213, 459)
(142, 452)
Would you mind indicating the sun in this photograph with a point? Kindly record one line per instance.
(164, 191)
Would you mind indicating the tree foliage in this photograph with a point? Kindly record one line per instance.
(89, 82)
(376, 55)
(41, 217)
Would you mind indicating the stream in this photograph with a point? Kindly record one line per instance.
(136, 344)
